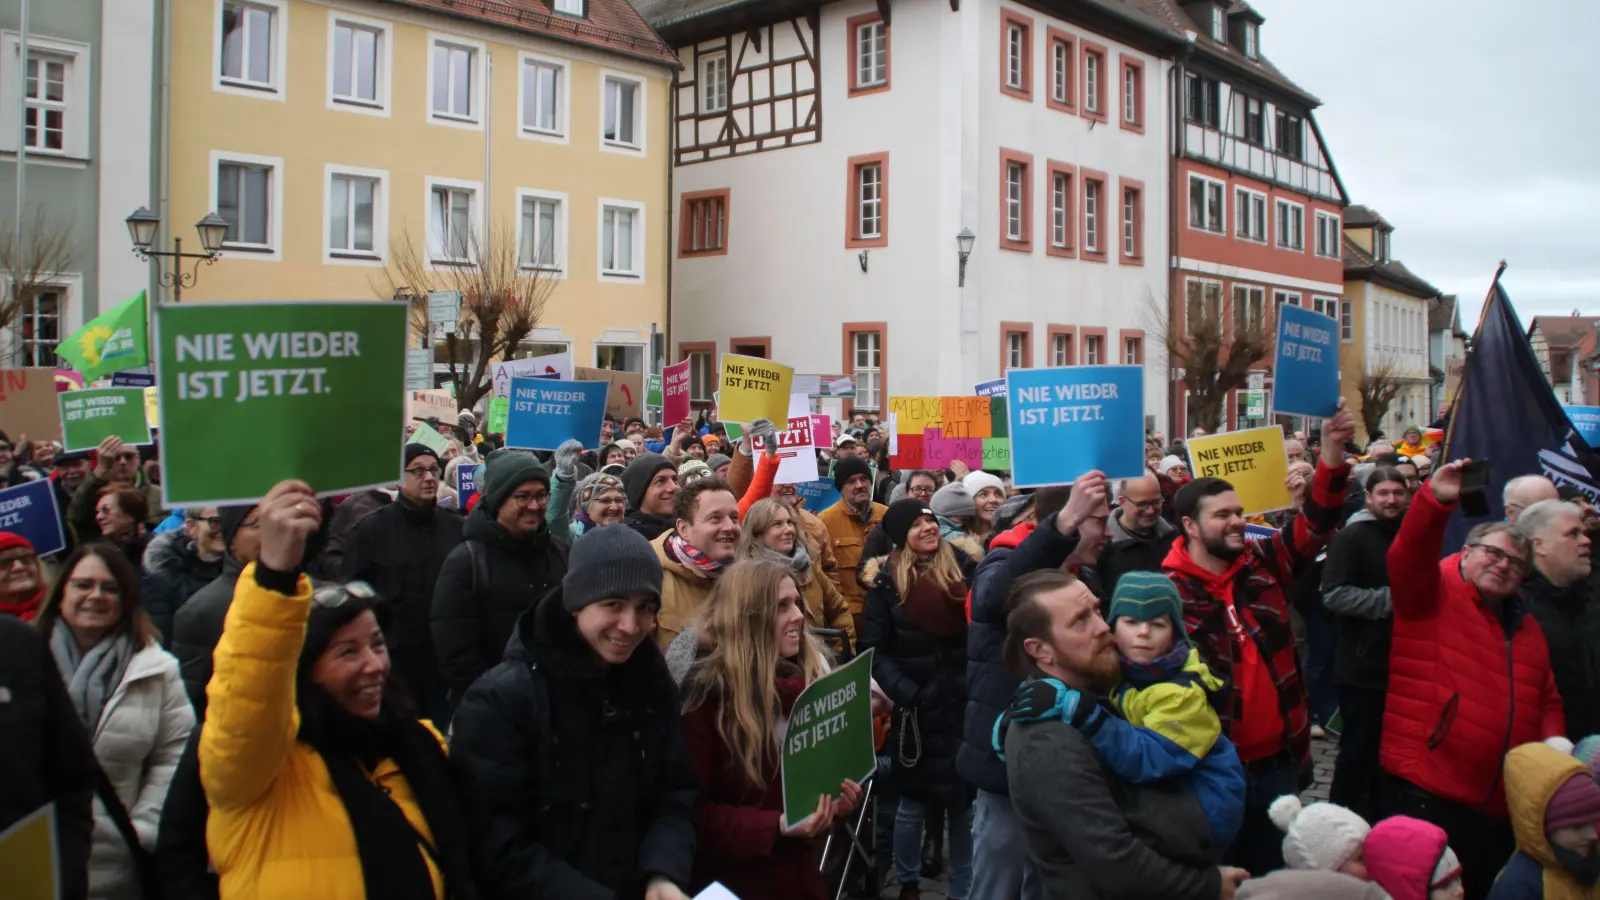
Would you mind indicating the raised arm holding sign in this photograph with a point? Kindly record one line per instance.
(1305, 375)
(1075, 419)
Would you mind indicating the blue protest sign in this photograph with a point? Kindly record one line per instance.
(466, 484)
(1305, 375)
(1587, 420)
(995, 388)
(544, 413)
(1259, 533)
(133, 378)
(1074, 419)
(819, 495)
(30, 510)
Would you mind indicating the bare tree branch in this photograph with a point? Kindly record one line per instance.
(502, 302)
(1378, 390)
(33, 261)
(1215, 358)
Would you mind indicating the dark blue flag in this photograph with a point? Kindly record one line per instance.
(1505, 412)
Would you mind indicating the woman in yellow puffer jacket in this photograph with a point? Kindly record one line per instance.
(321, 782)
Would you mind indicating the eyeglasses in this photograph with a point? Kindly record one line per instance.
(10, 560)
(333, 596)
(86, 585)
(208, 521)
(535, 499)
(424, 472)
(1143, 505)
(1499, 557)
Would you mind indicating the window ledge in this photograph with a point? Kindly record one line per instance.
(621, 145)
(248, 85)
(542, 270)
(450, 263)
(355, 254)
(608, 273)
(452, 118)
(357, 101)
(248, 248)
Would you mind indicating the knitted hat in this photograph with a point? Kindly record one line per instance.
(1009, 510)
(1577, 802)
(636, 478)
(10, 540)
(229, 518)
(597, 484)
(1143, 596)
(1169, 463)
(692, 470)
(1409, 857)
(467, 419)
(716, 461)
(953, 502)
(1588, 752)
(502, 475)
(975, 482)
(624, 444)
(848, 468)
(609, 562)
(413, 451)
(901, 516)
(1321, 836)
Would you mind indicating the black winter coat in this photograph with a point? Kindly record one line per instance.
(1355, 595)
(173, 572)
(342, 524)
(1570, 620)
(181, 856)
(651, 527)
(990, 685)
(1129, 552)
(476, 604)
(923, 674)
(574, 774)
(46, 750)
(196, 629)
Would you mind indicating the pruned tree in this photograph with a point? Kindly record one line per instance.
(1214, 347)
(33, 260)
(1378, 389)
(502, 302)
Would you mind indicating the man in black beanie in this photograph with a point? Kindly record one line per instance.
(651, 482)
(197, 626)
(577, 734)
(509, 558)
(399, 550)
(849, 522)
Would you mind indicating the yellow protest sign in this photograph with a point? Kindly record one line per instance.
(28, 857)
(914, 415)
(1251, 460)
(152, 407)
(754, 388)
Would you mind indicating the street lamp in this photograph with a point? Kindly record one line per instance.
(142, 227)
(964, 247)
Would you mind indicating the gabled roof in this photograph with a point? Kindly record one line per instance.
(611, 25)
(1563, 332)
(1358, 216)
(1233, 57)
(1359, 265)
(1444, 314)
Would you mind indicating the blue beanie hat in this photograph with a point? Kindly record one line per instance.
(1144, 596)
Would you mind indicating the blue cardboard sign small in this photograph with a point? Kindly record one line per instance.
(1075, 419)
(466, 484)
(30, 510)
(544, 413)
(1305, 375)
(995, 388)
(1586, 419)
(819, 494)
(133, 378)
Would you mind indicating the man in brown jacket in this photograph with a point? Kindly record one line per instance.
(849, 522)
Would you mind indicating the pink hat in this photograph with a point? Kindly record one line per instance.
(1577, 802)
(1409, 857)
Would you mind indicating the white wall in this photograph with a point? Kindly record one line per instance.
(126, 74)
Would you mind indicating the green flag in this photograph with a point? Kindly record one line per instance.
(114, 341)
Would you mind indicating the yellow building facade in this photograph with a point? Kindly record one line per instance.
(337, 138)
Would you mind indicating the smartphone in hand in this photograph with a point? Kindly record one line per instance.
(1474, 477)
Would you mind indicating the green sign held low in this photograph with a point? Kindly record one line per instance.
(92, 415)
(499, 409)
(829, 738)
(254, 393)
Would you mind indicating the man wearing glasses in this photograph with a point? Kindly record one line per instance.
(1469, 677)
(117, 463)
(1140, 538)
(399, 550)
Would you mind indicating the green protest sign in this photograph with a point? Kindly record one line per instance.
(429, 438)
(113, 341)
(652, 391)
(92, 415)
(499, 409)
(254, 393)
(829, 738)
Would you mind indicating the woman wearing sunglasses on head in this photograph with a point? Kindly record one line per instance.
(320, 779)
(578, 506)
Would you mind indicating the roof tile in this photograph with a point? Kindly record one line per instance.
(1564, 331)
(611, 25)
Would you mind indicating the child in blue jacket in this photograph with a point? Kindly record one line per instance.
(1167, 727)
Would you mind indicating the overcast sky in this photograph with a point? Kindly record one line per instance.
(1471, 125)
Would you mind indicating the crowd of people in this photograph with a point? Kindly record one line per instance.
(573, 683)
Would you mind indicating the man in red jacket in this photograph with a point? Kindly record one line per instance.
(1469, 678)
(1235, 609)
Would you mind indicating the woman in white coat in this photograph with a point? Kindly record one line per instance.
(129, 697)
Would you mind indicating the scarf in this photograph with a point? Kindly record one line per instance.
(681, 551)
(91, 677)
(26, 609)
(941, 612)
(390, 848)
(1166, 667)
(799, 559)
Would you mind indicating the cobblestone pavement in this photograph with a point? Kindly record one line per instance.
(1322, 754)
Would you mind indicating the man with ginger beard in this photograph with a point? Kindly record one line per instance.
(1089, 833)
(1234, 605)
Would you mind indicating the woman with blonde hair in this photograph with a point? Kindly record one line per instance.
(739, 696)
(917, 625)
(772, 532)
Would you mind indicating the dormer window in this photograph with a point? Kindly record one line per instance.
(1383, 245)
(1252, 37)
(570, 7)
(1219, 25)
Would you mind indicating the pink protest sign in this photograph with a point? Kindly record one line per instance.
(939, 451)
(675, 393)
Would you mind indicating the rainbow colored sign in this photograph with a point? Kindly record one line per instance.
(933, 432)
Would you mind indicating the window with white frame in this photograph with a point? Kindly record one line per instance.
(1015, 178)
(1203, 302)
(872, 54)
(1061, 350)
(1015, 342)
(1016, 56)
(1219, 25)
(570, 7)
(44, 126)
(621, 122)
(1093, 67)
(352, 213)
(1327, 234)
(869, 201)
(1249, 308)
(1093, 353)
(1250, 211)
(1251, 36)
(38, 327)
(1130, 222)
(451, 213)
(250, 35)
(1092, 191)
(357, 61)
(619, 357)
(539, 236)
(1205, 204)
(1132, 76)
(1061, 210)
(1291, 225)
(714, 83)
(1280, 299)
(244, 199)
(1061, 71)
(620, 233)
(453, 82)
(867, 350)
(543, 97)
(702, 375)
(1132, 351)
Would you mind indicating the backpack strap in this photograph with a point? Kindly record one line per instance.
(480, 567)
